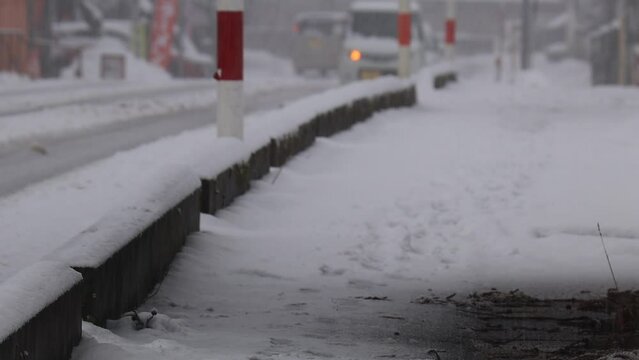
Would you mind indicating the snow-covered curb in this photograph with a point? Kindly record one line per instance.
(49, 291)
(271, 142)
(221, 154)
(136, 243)
(127, 251)
(111, 233)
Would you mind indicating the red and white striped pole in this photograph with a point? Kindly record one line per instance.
(404, 38)
(451, 31)
(230, 68)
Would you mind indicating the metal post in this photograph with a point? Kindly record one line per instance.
(404, 38)
(451, 31)
(525, 35)
(230, 68)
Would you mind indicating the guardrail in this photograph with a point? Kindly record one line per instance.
(111, 267)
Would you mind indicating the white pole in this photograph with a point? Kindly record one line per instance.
(230, 68)
(404, 38)
(451, 31)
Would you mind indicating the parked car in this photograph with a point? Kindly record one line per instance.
(318, 40)
(371, 48)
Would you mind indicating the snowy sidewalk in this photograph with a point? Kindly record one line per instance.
(482, 185)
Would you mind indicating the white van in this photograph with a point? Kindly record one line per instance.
(371, 48)
(318, 39)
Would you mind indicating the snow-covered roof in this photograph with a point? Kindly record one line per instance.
(66, 28)
(381, 6)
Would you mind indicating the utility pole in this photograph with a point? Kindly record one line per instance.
(623, 41)
(230, 68)
(451, 32)
(526, 47)
(404, 38)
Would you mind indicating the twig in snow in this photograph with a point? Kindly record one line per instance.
(607, 257)
(279, 172)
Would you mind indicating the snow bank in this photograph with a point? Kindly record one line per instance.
(214, 155)
(136, 195)
(89, 63)
(445, 196)
(261, 63)
(10, 79)
(116, 229)
(29, 292)
(136, 242)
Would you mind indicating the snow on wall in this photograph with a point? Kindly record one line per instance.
(89, 64)
(30, 291)
(261, 128)
(112, 232)
(127, 224)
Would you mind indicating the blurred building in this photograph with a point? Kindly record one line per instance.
(25, 31)
(613, 43)
(41, 38)
(605, 33)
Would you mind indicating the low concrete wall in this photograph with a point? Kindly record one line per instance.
(124, 255)
(122, 278)
(442, 80)
(219, 191)
(41, 315)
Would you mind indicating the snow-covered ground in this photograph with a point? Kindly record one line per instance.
(480, 185)
(43, 216)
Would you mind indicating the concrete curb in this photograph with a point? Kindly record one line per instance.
(119, 268)
(41, 312)
(442, 80)
(219, 191)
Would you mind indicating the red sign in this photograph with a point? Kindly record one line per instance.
(451, 29)
(165, 17)
(230, 43)
(404, 25)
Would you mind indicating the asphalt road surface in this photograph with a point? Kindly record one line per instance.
(25, 164)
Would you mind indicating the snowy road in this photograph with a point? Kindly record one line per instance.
(480, 185)
(25, 164)
(41, 97)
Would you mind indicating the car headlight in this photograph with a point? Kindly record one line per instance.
(355, 55)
